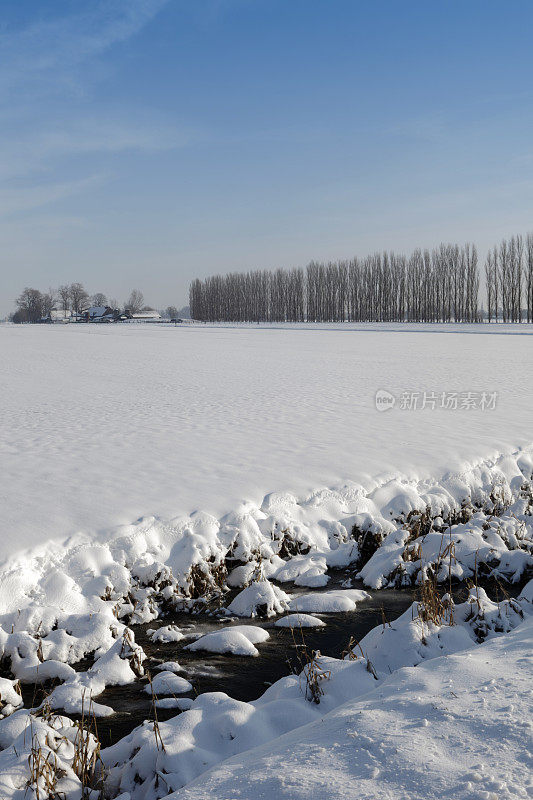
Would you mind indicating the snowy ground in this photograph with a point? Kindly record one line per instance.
(419, 710)
(272, 434)
(103, 424)
(459, 727)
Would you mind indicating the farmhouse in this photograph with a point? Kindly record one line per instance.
(100, 314)
(146, 316)
(58, 315)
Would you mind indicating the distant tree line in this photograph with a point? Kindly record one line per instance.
(35, 306)
(441, 285)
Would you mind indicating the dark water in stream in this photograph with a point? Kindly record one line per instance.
(241, 677)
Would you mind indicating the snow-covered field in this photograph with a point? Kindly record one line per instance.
(103, 424)
(256, 456)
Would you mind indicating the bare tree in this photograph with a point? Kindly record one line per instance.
(48, 302)
(135, 301)
(30, 305)
(99, 299)
(529, 277)
(491, 281)
(78, 297)
(64, 297)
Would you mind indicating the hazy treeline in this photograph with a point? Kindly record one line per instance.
(441, 285)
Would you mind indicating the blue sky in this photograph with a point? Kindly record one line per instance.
(147, 142)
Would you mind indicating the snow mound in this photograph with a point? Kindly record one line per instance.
(299, 621)
(166, 634)
(169, 666)
(168, 683)
(238, 640)
(331, 601)
(10, 698)
(120, 665)
(308, 570)
(260, 599)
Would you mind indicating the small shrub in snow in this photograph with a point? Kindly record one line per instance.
(206, 577)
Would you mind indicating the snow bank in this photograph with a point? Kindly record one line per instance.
(142, 567)
(458, 726)
(57, 608)
(495, 541)
(218, 727)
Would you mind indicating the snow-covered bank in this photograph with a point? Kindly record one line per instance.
(103, 424)
(57, 607)
(151, 762)
(285, 538)
(217, 727)
(458, 726)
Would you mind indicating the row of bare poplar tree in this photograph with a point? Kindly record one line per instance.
(509, 279)
(441, 285)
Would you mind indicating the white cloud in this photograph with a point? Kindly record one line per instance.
(54, 45)
(42, 128)
(41, 150)
(26, 198)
